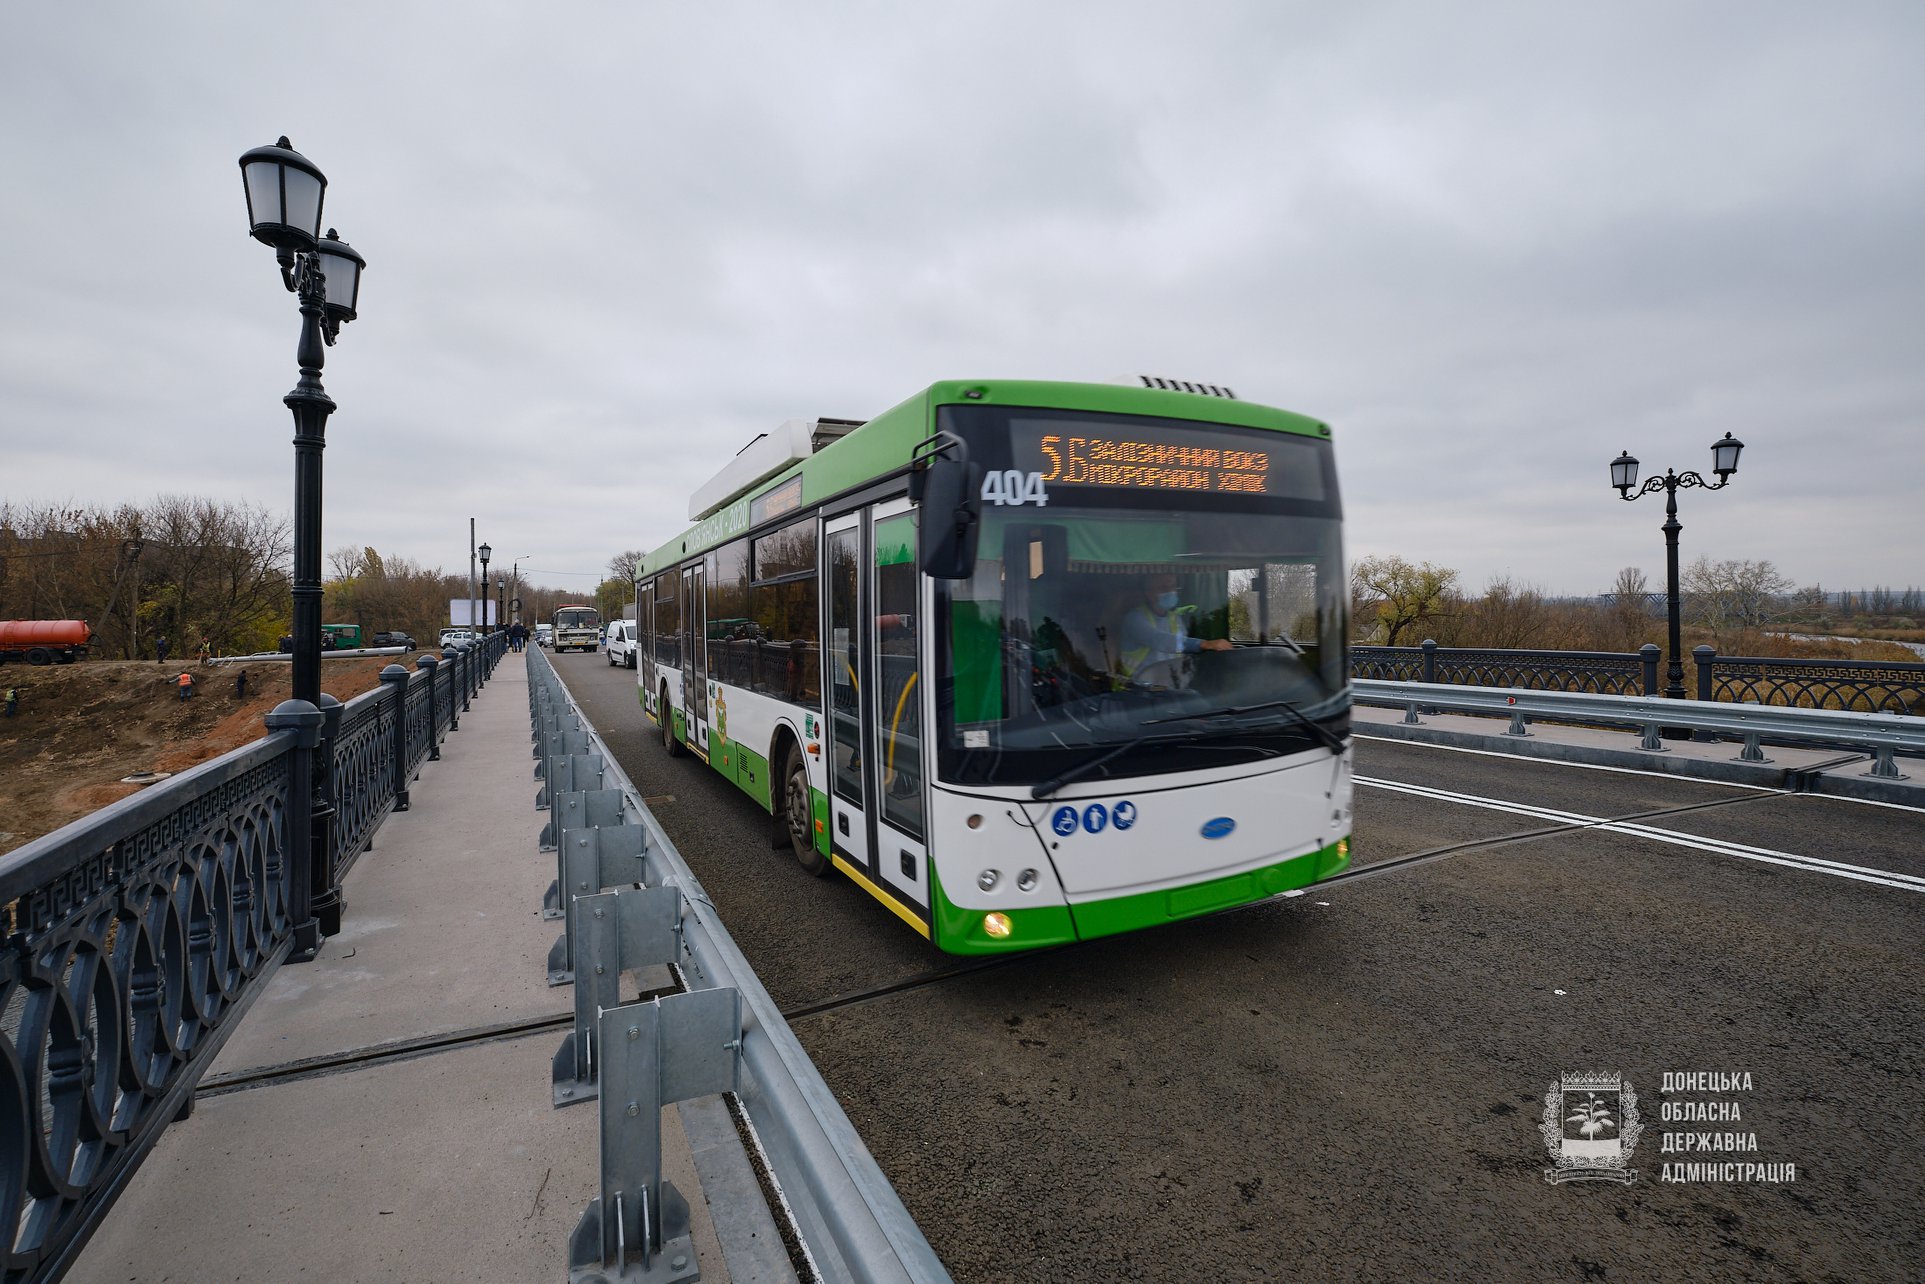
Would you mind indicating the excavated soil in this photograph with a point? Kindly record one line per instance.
(79, 728)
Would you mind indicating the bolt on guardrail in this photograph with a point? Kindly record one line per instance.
(577, 809)
(616, 932)
(592, 860)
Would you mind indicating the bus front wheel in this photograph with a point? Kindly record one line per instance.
(800, 815)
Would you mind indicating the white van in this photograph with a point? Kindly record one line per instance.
(621, 643)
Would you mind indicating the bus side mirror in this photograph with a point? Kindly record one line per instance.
(949, 489)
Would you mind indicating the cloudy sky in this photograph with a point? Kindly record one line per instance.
(1493, 244)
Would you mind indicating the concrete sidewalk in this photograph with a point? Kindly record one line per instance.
(383, 1113)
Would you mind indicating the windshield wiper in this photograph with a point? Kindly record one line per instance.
(1088, 765)
(1330, 738)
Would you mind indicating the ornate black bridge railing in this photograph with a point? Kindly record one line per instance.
(133, 941)
(1858, 686)
(1864, 686)
(1593, 672)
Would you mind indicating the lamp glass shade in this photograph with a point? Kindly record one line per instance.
(341, 266)
(1724, 455)
(1624, 471)
(284, 195)
(486, 553)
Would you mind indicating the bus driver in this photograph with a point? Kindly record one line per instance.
(1155, 633)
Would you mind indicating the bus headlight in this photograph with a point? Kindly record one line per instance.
(988, 879)
(996, 925)
(1026, 881)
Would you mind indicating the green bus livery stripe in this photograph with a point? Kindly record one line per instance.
(883, 444)
(960, 931)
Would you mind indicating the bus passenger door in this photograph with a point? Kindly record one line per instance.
(842, 563)
(895, 743)
(695, 669)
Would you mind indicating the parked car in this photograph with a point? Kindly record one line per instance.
(621, 643)
(394, 639)
(456, 635)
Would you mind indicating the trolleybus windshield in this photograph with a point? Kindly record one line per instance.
(1130, 572)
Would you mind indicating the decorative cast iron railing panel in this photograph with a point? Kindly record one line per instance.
(1861, 686)
(1594, 672)
(134, 939)
(420, 726)
(363, 774)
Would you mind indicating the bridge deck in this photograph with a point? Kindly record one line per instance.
(383, 1113)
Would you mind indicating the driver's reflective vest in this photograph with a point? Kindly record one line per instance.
(1141, 620)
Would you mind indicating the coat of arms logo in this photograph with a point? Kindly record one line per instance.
(1590, 1127)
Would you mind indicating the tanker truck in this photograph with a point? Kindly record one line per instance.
(44, 641)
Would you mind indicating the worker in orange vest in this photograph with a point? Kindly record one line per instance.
(186, 682)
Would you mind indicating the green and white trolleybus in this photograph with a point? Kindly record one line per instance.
(1030, 662)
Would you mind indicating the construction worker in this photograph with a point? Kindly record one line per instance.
(186, 684)
(240, 685)
(207, 650)
(13, 700)
(1156, 632)
(160, 650)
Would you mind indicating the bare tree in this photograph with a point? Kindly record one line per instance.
(1733, 594)
(1398, 595)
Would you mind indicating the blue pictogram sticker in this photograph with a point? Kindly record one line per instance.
(1123, 815)
(1221, 827)
(1064, 821)
(1095, 817)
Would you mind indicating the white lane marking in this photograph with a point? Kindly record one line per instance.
(1765, 855)
(1637, 771)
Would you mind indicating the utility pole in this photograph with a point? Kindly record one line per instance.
(473, 623)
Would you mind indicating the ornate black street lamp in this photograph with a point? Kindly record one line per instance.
(501, 600)
(1624, 476)
(284, 195)
(486, 553)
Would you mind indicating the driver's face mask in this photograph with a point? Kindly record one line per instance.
(1166, 601)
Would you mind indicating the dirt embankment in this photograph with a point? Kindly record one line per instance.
(79, 728)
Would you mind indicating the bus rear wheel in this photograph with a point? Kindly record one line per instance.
(669, 742)
(799, 815)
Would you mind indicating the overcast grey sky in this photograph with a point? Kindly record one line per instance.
(1493, 244)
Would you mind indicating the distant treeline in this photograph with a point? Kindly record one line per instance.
(189, 568)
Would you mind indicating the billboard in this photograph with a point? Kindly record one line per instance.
(462, 612)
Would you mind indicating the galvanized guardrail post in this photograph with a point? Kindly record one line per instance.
(396, 679)
(617, 932)
(654, 1054)
(581, 810)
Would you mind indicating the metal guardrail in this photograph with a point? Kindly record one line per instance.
(1883, 735)
(133, 941)
(849, 1219)
(1866, 686)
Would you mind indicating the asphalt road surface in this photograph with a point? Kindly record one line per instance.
(1350, 1084)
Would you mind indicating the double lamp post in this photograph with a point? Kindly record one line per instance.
(284, 194)
(1624, 476)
